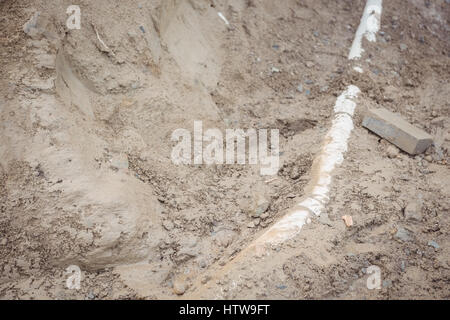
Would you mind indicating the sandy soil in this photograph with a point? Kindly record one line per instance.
(86, 176)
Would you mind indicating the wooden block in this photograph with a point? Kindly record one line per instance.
(397, 131)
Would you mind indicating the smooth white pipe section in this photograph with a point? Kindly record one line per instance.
(368, 27)
(221, 16)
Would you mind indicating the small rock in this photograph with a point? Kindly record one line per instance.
(309, 81)
(348, 220)
(119, 161)
(316, 34)
(387, 283)
(307, 92)
(429, 158)
(168, 225)
(300, 88)
(403, 235)
(403, 266)
(403, 47)
(325, 219)
(392, 152)
(205, 279)
(433, 244)
(264, 216)
(224, 237)
(275, 70)
(324, 89)
(261, 207)
(251, 225)
(310, 64)
(179, 286)
(295, 173)
(413, 211)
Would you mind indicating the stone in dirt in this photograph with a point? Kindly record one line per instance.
(392, 152)
(179, 286)
(403, 235)
(348, 220)
(413, 211)
(397, 131)
(433, 244)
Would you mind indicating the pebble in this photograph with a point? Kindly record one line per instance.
(403, 266)
(310, 64)
(264, 216)
(263, 206)
(324, 89)
(300, 88)
(275, 70)
(403, 47)
(403, 235)
(413, 211)
(433, 244)
(119, 161)
(392, 152)
(295, 173)
(324, 219)
(179, 286)
(168, 225)
(308, 81)
(205, 279)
